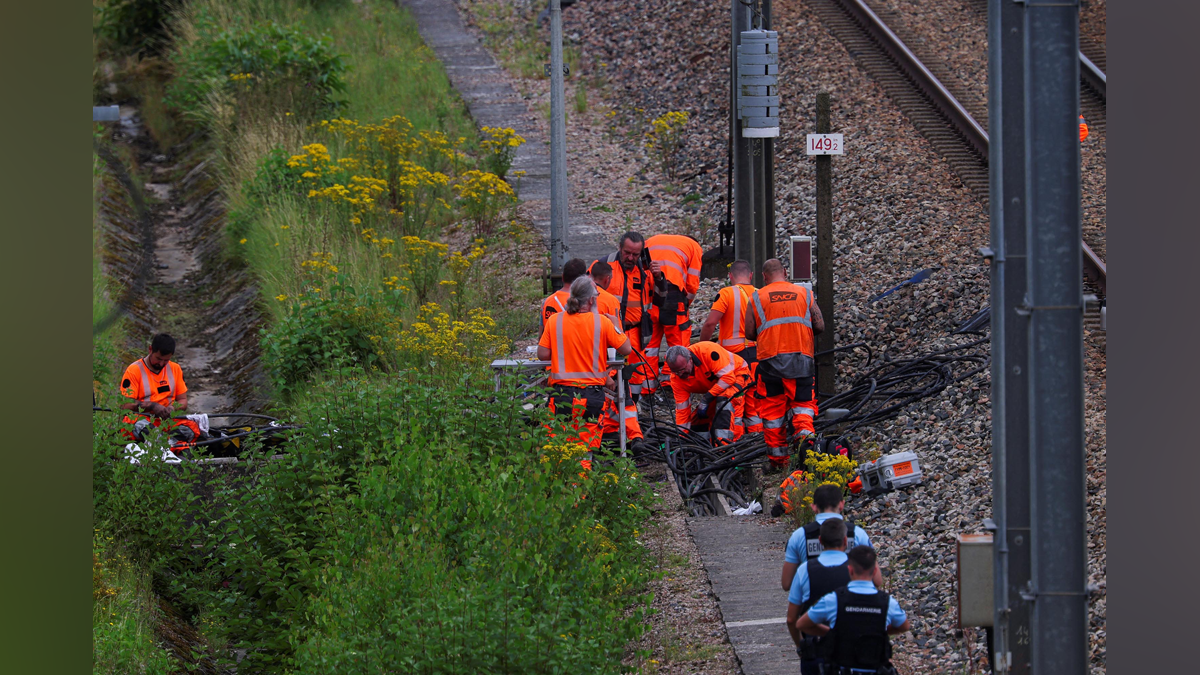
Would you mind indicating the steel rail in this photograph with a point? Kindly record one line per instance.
(966, 125)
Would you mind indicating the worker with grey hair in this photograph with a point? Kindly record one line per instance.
(576, 344)
(721, 376)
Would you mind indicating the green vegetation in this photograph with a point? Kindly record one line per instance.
(417, 521)
(401, 531)
(123, 616)
(512, 33)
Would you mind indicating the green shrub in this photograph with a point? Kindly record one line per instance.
(273, 65)
(471, 547)
(132, 26)
(325, 326)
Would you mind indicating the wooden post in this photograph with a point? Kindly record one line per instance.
(826, 367)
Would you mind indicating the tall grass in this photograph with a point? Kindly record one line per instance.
(123, 615)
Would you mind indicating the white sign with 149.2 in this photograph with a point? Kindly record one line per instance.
(825, 144)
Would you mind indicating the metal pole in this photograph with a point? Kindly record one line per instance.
(1058, 628)
(559, 248)
(826, 369)
(743, 174)
(1010, 353)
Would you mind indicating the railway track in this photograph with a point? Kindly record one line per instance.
(955, 132)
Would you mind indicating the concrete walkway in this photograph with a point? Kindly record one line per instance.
(743, 557)
(493, 102)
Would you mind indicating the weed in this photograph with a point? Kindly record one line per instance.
(665, 139)
(581, 102)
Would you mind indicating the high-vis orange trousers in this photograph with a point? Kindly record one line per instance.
(608, 420)
(777, 396)
(675, 335)
(751, 422)
(583, 425)
(637, 381)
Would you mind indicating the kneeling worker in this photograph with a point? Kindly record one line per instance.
(576, 343)
(724, 378)
(854, 623)
(155, 385)
(727, 319)
(155, 382)
(821, 575)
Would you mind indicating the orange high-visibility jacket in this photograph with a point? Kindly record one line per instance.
(578, 345)
(632, 287)
(733, 302)
(783, 319)
(557, 302)
(717, 369)
(141, 384)
(1083, 130)
(680, 257)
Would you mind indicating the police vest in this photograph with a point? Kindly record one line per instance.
(824, 580)
(812, 538)
(859, 636)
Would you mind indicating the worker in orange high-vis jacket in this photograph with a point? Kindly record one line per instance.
(601, 274)
(675, 264)
(728, 320)
(154, 384)
(1083, 130)
(576, 344)
(722, 376)
(557, 301)
(783, 322)
(631, 284)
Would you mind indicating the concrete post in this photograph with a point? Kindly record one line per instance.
(559, 247)
(826, 368)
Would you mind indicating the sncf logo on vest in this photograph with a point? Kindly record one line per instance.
(781, 296)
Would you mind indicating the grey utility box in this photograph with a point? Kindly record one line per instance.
(976, 603)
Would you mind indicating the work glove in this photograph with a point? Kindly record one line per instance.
(709, 405)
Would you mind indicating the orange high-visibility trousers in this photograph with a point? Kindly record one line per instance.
(751, 421)
(675, 335)
(583, 425)
(637, 380)
(777, 396)
(608, 420)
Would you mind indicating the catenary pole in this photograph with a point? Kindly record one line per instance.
(1010, 353)
(1058, 627)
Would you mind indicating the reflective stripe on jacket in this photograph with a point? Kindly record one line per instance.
(141, 384)
(578, 345)
(630, 289)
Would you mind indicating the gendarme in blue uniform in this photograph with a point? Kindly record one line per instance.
(825, 611)
(797, 546)
(799, 591)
